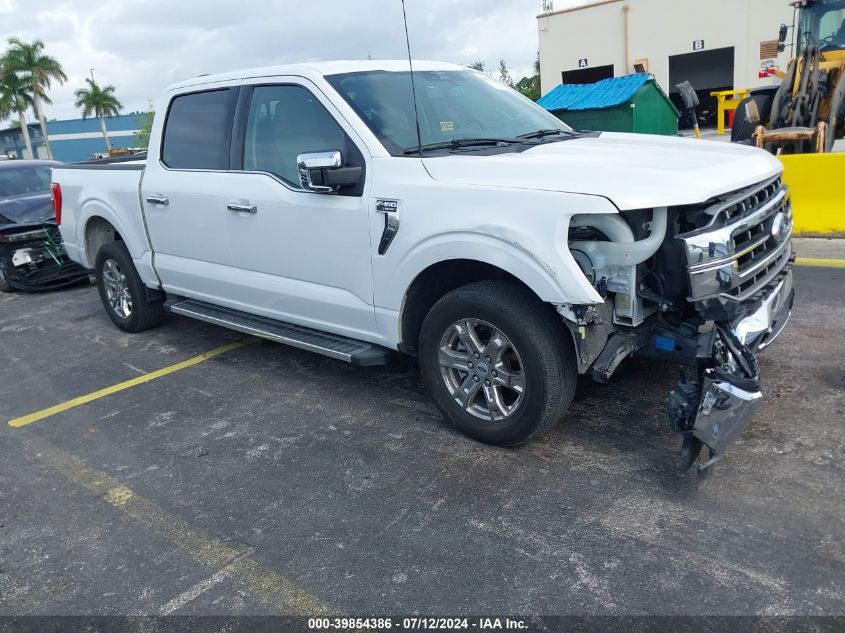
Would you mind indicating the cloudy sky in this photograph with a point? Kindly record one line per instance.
(140, 46)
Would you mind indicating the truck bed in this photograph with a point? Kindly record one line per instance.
(98, 191)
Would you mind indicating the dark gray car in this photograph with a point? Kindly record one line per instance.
(31, 252)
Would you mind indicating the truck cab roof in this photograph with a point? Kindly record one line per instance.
(316, 70)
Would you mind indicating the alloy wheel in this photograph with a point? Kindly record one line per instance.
(117, 289)
(482, 369)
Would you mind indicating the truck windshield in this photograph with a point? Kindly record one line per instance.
(454, 106)
(19, 181)
(823, 23)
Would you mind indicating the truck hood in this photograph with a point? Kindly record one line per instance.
(634, 171)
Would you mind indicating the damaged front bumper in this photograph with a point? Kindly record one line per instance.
(32, 257)
(764, 325)
(715, 409)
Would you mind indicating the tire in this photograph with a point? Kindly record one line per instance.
(743, 129)
(529, 350)
(122, 292)
(5, 275)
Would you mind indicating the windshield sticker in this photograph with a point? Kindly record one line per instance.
(447, 126)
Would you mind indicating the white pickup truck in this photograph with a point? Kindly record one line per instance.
(328, 207)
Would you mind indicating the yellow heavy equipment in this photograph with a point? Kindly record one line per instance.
(801, 119)
(806, 112)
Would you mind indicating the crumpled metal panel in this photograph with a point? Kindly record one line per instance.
(724, 413)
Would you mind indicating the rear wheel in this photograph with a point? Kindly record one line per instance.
(122, 292)
(497, 362)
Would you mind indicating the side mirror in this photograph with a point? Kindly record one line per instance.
(784, 31)
(323, 172)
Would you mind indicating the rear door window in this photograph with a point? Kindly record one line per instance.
(198, 130)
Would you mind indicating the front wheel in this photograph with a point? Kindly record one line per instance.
(497, 362)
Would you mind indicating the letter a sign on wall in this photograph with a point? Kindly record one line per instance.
(583, 63)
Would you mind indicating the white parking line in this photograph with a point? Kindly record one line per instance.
(194, 592)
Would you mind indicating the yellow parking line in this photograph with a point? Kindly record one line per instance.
(819, 262)
(266, 585)
(70, 404)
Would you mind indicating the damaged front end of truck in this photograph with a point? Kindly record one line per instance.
(705, 286)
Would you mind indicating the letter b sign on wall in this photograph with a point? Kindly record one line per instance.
(698, 45)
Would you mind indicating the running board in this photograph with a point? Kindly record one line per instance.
(355, 352)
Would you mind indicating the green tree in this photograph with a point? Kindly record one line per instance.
(29, 58)
(99, 101)
(504, 74)
(16, 98)
(529, 86)
(142, 136)
(478, 65)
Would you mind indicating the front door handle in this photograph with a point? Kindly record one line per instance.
(242, 207)
(162, 200)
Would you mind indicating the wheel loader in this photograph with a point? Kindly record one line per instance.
(806, 112)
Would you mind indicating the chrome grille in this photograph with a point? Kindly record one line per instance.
(742, 244)
(745, 202)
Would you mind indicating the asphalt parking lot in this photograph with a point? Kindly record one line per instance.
(269, 480)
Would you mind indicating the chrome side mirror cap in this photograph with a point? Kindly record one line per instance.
(323, 172)
(312, 168)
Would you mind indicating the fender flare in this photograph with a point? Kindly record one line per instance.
(550, 285)
(95, 208)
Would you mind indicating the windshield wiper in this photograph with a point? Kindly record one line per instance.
(548, 132)
(461, 142)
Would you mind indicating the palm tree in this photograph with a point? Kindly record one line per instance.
(24, 57)
(16, 97)
(99, 101)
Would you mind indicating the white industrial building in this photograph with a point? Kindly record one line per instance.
(714, 44)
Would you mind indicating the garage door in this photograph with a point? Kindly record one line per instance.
(586, 75)
(707, 71)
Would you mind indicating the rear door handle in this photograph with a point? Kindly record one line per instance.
(163, 200)
(242, 207)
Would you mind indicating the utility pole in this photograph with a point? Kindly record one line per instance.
(92, 74)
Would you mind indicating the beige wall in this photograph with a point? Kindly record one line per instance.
(657, 30)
